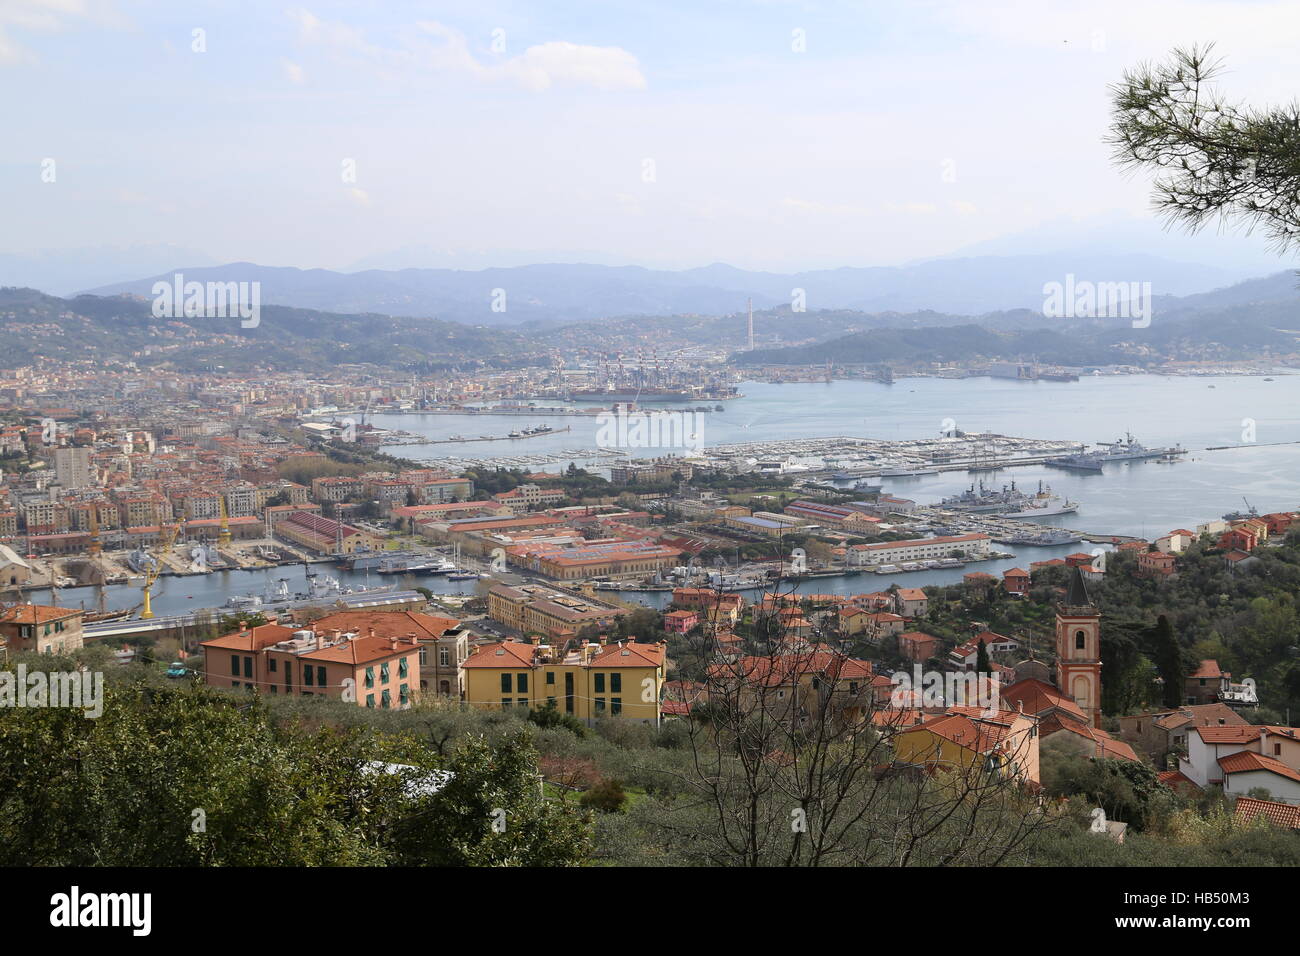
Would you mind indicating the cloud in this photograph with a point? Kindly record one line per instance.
(292, 72)
(43, 16)
(438, 48)
(604, 67)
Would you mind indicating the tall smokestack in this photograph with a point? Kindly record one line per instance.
(751, 323)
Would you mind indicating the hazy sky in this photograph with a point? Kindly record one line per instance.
(776, 135)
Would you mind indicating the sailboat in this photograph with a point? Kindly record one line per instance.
(460, 574)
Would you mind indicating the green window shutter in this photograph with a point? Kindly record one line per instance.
(505, 682)
(616, 683)
(370, 677)
(600, 683)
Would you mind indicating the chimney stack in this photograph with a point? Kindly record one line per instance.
(320, 640)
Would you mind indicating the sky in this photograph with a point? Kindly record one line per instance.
(765, 134)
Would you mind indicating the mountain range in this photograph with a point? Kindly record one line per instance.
(561, 292)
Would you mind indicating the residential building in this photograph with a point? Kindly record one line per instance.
(371, 671)
(41, 628)
(586, 680)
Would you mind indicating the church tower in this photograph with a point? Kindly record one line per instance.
(1078, 649)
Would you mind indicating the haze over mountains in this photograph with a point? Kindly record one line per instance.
(1252, 320)
(562, 292)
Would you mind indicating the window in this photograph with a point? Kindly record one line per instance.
(370, 701)
(600, 683)
(600, 705)
(505, 702)
(404, 693)
(288, 673)
(424, 655)
(1079, 638)
(234, 665)
(385, 699)
(616, 683)
(320, 676)
(271, 664)
(1277, 750)
(550, 677)
(248, 667)
(616, 705)
(306, 675)
(370, 677)
(383, 673)
(444, 657)
(505, 683)
(522, 702)
(402, 668)
(522, 683)
(550, 702)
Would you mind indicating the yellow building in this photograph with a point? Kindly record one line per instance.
(590, 680)
(965, 738)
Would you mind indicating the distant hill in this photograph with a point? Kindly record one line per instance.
(34, 325)
(566, 293)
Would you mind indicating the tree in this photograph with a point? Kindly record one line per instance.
(607, 796)
(785, 768)
(1169, 661)
(1211, 157)
(982, 665)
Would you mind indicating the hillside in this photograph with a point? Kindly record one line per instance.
(35, 326)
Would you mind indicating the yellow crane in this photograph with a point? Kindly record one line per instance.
(223, 537)
(151, 573)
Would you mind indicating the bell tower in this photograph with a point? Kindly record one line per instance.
(1078, 649)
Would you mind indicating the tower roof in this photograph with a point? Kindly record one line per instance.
(1077, 595)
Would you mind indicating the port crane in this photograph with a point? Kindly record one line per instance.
(153, 570)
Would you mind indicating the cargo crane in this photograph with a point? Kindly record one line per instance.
(151, 572)
(223, 536)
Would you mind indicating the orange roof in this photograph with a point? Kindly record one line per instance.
(1177, 780)
(1208, 669)
(1228, 735)
(387, 623)
(1104, 745)
(37, 614)
(251, 639)
(1037, 696)
(972, 734)
(502, 654)
(629, 654)
(363, 650)
(1280, 814)
(1245, 761)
